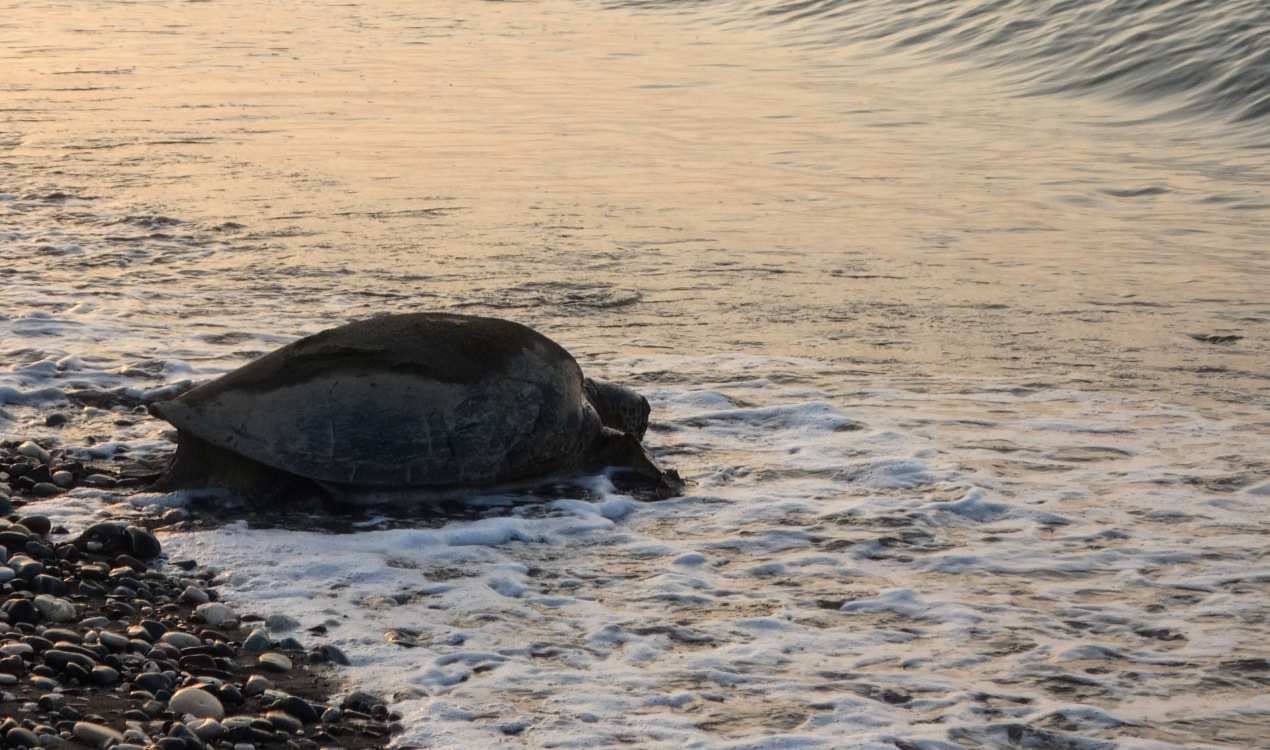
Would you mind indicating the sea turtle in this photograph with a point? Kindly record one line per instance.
(426, 402)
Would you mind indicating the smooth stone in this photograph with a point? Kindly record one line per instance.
(95, 622)
(38, 525)
(16, 649)
(56, 419)
(290, 644)
(63, 479)
(20, 610)
(198, 702)
(32, 450)
(144, 544)
(112, 640)
(334, 655)
(274, 662)
(99, 480)
(103, 675)
(284, 722)
(331, 715)
(257, 684)
(8, 679)
(214, 613)
(281, 623)
(257, 643)
(19, 737)
(153, 681)
(181, 640)
(194, 595)
(299, 708)
(54, 609)
(25, 567)
(62, 634)
(45, 489)
(95, 734)
(7, 574)
(208, 730)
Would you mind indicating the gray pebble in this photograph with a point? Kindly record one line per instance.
(330, 716)
(181, 640)
(257, 643)
(63, 479)
(281, 623)
(257, 684)
(112, 640)
(103, 675)
(99, 480)
(214, 613)
(194, 595)
(56, 419)
(290, 644)
(32, 450)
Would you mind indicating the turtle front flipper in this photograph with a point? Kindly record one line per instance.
(622, 449)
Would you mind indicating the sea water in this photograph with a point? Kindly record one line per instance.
(953, 314)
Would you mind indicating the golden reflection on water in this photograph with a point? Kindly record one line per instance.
(647, 185)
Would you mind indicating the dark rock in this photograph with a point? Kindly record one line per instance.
(299, 708)
(153, 681)
(59, 659)
(20, 737)
(46, 584)
(40, 645)
(106, 534)
(334, 655)
(13, 539)
(20, 610)
(143, 544)
(45, 489)
(56, 419)
(284, 722)
(104, 676)
(230, 695)
(155, 628)
(38, 525)
(290, 644)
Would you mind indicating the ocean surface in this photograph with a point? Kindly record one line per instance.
(954, 314)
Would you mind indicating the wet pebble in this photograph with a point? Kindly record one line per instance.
(63, 479)
(33, 450)
(215, 613)
(274, 663)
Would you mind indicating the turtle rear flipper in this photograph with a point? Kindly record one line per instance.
(623, 450)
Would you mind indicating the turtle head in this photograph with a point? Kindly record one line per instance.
(619, 408)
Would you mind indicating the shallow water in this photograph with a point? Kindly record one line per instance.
(968, 469)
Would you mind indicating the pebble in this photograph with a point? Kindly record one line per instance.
(181, 640)
(257, 643)
(257, 685)
(112, 640)
(194, 595)
(95, 734)
(214, 613)
(99, 480)
(54, 609)
(45, 489)
(19, 737)
(144, 544)
(274, 663)
(56, 419)
(32, 450)
(63, 479)
(103, 675)
(281, 623)
(198, 702)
